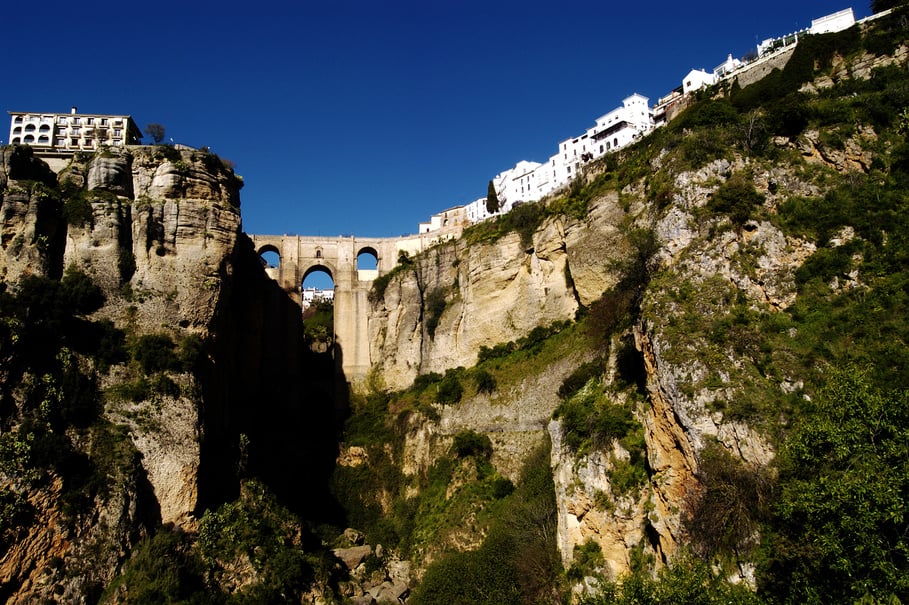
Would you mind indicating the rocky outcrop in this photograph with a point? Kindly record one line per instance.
(31, 225)
(162, 225)
(493, 292)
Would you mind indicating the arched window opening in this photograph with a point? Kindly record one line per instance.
(44, 139)
(44, 128)
(367, 259)
(28, 139)
(17, 130)
(16, 140)
(30, 128)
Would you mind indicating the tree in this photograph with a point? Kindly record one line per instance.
(878, 6)
(840, 529)
(492, 199)
(156, 132)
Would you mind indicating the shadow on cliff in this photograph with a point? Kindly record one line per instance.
(271, 406)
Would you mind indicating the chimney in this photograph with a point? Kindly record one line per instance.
(73, 109)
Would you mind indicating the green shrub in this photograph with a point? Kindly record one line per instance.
(589, 420)
(685, 580)
(517, 562)
(581, 376)
(423, 381)
(484, 381)
(471, 443)
(724, 515)
(155, 353)
(163, 569)
(77, 210)
(433, 307)
(257, 529)
(587, 558)
(450, 389)
(736, 198)
(839, 529)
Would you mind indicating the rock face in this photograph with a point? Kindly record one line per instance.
(492, 292)
(162, 250)
(31, 226)
(163, 225)
(498, 292)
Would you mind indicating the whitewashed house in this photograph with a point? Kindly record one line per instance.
(698, 79)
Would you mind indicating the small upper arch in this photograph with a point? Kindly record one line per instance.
(270, 256)
(367, 258)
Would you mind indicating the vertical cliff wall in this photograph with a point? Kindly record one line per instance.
(159, 230)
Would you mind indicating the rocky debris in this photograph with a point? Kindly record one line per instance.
(386, 579)
(353, 556)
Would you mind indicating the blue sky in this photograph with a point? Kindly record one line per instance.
(364, 117)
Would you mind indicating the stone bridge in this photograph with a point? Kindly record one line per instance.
(338, 256)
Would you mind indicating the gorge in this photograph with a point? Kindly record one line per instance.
(684, 376)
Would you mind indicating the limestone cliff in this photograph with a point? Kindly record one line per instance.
(492, 292)
(158, 230)
(697, 391)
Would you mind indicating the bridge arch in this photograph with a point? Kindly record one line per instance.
(371, 257)
(320, 267)
(269, 249)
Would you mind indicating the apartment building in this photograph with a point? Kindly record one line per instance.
(67, 133)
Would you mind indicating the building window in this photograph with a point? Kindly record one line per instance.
(44, 128)
(89, 120)
(117, 132)
(30, 128)
(74, 142)
(60, 142)
(17, 120)
(44, 140)
(104, 121)
(17, 130)
(61, 120)
(75, 131)
(76, 120)
(16, 140)
(29, 139)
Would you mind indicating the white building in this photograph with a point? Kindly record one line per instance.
(531, 181)
(314, 295)
(835, 22)
(67, 133)
(698, 79)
